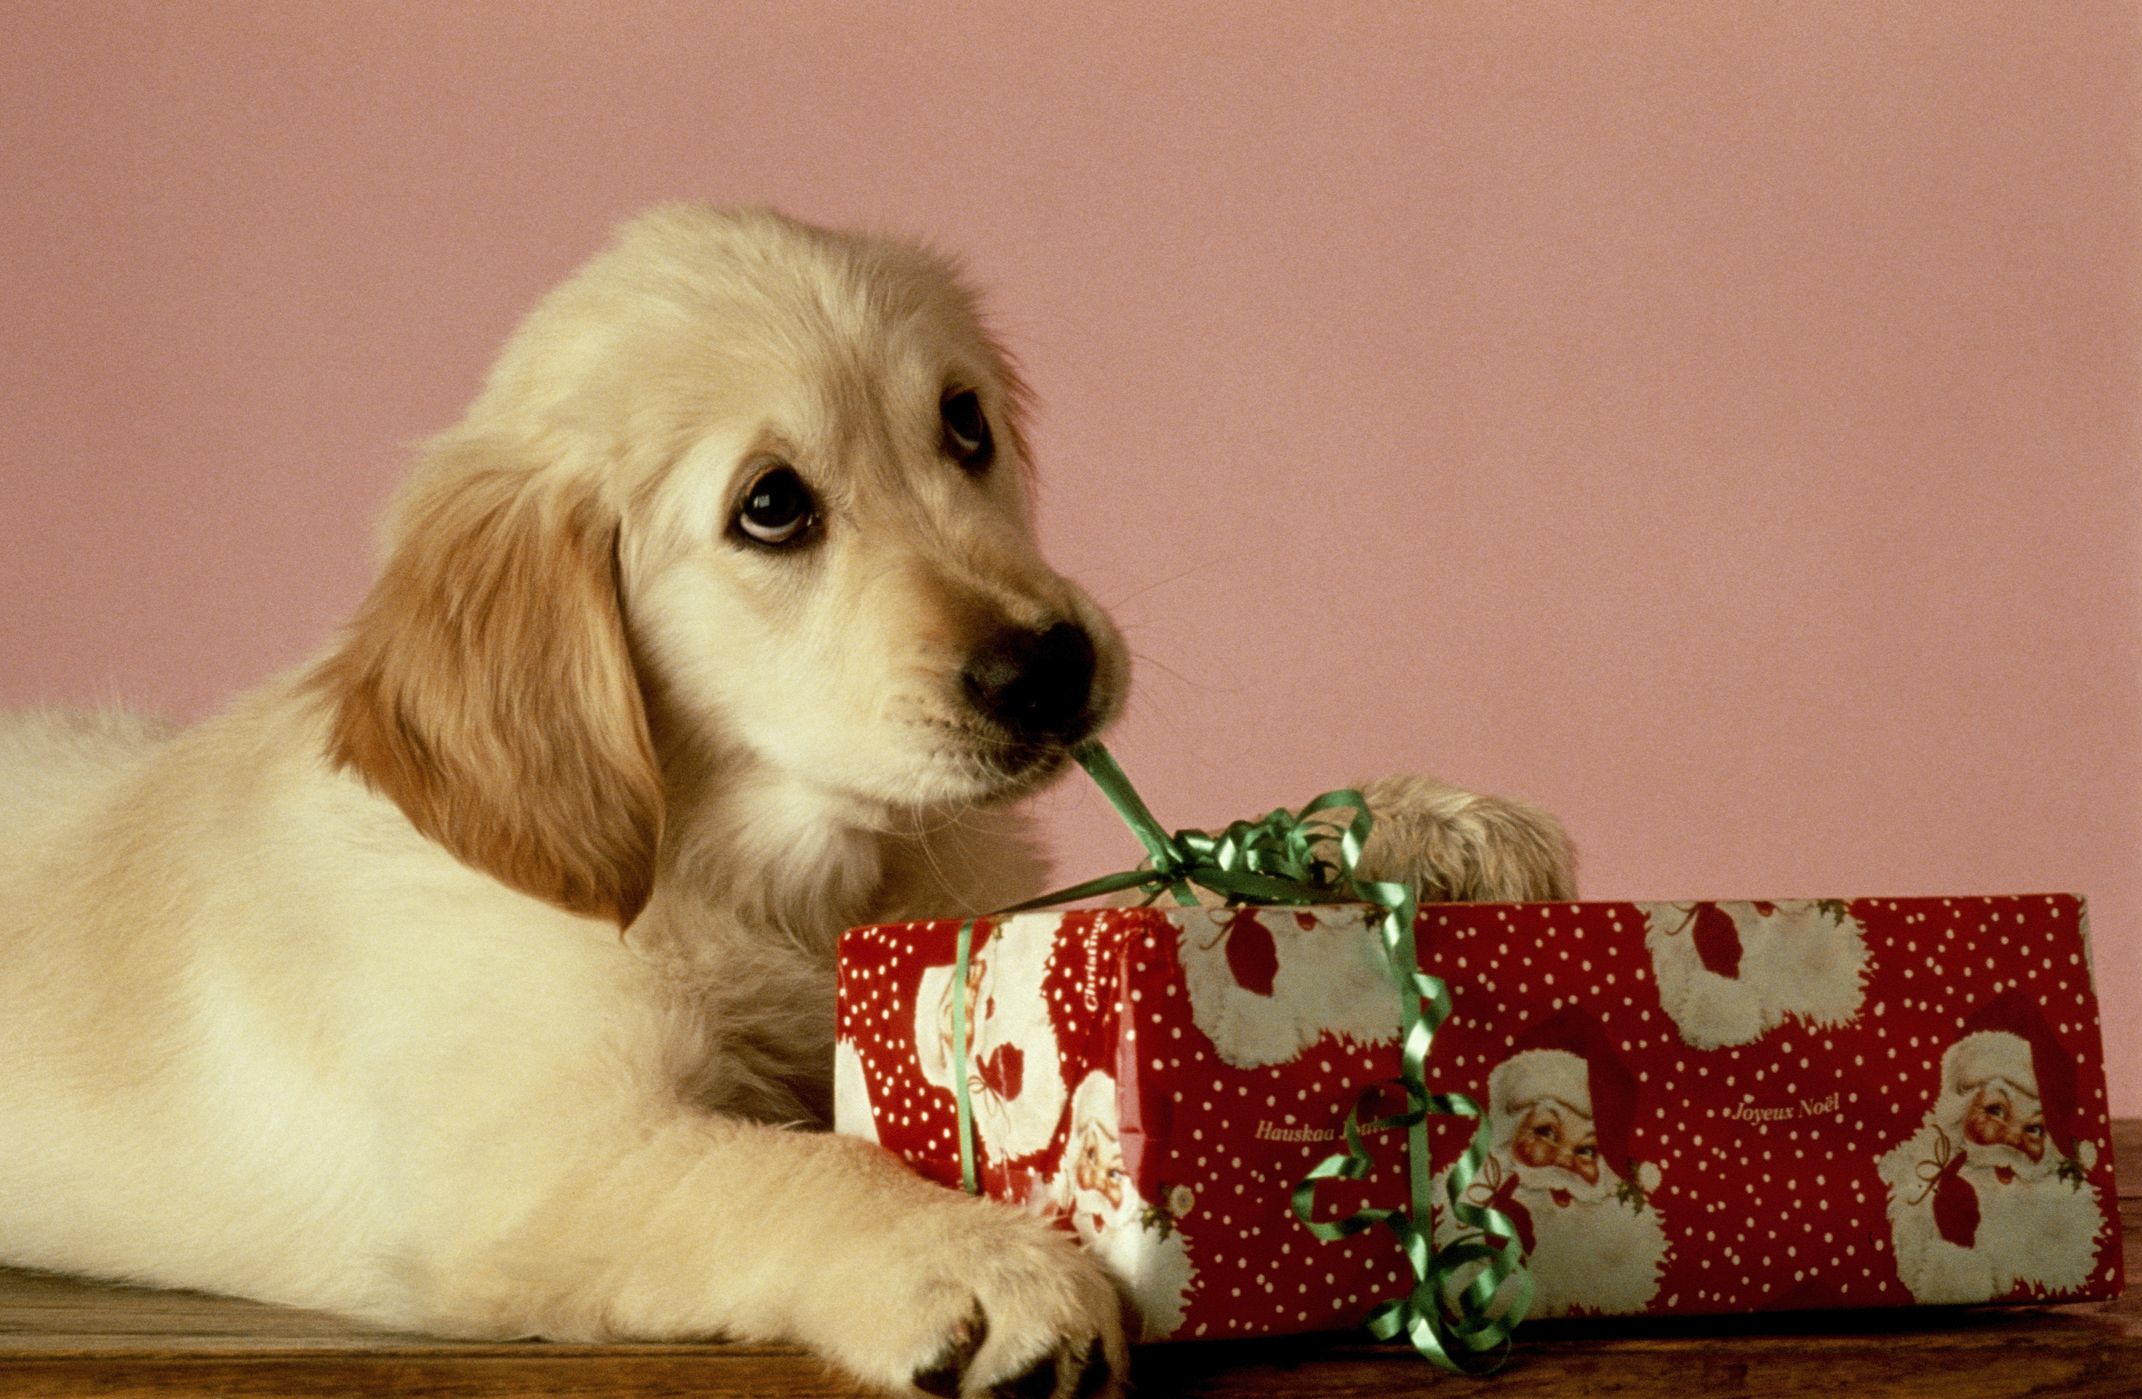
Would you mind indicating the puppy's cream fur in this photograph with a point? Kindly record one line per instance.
(472, 976)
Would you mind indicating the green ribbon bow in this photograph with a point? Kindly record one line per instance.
(1307, 857)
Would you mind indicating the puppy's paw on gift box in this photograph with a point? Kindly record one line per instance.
(1461, 847)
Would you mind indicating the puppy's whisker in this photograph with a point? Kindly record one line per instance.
(936, 863)
(1160, 665)
(1140, 592)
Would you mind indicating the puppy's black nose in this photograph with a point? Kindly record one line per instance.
(1033, 683)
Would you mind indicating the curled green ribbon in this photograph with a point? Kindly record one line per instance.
(1306, 857)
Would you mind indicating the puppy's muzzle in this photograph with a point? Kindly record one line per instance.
(1035, 684)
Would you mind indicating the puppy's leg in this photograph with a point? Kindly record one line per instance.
(1461, 847)
(712, 1226)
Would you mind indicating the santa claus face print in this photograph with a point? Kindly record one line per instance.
(996, 1065)
(1983, 1200)
(1099, 1182)
(2001, 1116)
(1552, 1135)
(1136, 1238)
(982, 1003)
(1010, 1048)
(1591, 1247)
(1582, 1210)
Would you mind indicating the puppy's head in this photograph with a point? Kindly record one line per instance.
(772, 478)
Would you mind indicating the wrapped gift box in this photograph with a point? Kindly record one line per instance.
(1694, 1107)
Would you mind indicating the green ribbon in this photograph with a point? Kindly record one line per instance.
(960, 1094)
(1305, 857)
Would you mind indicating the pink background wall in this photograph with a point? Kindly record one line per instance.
(1717, 422)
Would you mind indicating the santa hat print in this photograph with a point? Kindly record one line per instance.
(2008, 1038)
(1716, 938)
(1569, 1058)
(1729, 973)
(1265, 984)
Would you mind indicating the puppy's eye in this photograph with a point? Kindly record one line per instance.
(777, 509)
(967, 439)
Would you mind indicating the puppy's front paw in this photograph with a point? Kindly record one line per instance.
(1460, 847)
(996, 1303)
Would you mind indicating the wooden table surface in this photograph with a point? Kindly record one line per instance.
(64, 1338)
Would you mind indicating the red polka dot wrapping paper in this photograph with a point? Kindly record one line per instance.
(1696, 1107)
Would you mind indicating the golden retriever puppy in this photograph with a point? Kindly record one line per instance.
(475, 977)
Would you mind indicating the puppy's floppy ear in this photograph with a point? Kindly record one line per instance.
(487, 685)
